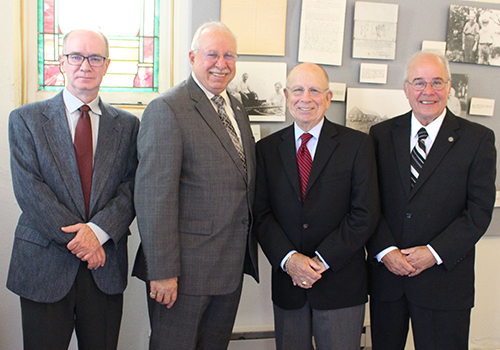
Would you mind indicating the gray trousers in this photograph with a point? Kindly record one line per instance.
(338, 329)
(194, 322)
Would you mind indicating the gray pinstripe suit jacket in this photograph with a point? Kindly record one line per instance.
(192, 196)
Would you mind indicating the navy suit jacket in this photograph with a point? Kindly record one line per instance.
(338, 215)
(48, 190)
(449, 208)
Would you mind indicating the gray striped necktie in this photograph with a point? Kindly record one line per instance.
(418, 156)
(219, 102)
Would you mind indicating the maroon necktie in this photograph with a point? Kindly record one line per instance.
(304, 161)
(83, 150)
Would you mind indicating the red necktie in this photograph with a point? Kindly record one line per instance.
(84, 153)
(304, 162)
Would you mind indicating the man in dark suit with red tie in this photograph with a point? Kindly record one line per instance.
(437, 186)
(316, 205)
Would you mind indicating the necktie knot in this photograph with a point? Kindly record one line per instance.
(218, 100)
(305, 137)
(84, 109)
(422, 134)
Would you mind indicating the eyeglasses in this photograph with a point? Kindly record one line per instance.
(214, 56)
(313, 92)
(77, 60)
(421, 84)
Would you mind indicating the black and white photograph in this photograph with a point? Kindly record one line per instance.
(259, 87)
(457, 100)
(367, 107)
(473, 35)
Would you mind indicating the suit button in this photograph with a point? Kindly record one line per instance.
(305, 226)
(408, 215)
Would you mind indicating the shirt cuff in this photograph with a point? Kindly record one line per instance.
(384, 252)
(286, 258)
(101, 235)
(322, 260)
(439, 261)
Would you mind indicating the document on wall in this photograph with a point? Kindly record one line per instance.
(259, 25)
(375, 29)
(322, 31)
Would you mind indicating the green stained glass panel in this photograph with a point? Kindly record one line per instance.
(132, 32)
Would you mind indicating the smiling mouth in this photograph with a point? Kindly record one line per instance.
(428, 102)
(219, 74)
(305, 108)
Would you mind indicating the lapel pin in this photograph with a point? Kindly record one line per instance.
(451, 139)
(238, 108)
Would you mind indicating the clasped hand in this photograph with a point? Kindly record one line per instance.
(304, 271)
(86, 246)
(409, 262)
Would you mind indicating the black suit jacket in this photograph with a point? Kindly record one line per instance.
(338, 215)
(449, 208)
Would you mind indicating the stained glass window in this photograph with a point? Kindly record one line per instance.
(131, 26)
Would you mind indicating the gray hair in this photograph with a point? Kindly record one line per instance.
(195, 43)
(440, 57)
(106, 42)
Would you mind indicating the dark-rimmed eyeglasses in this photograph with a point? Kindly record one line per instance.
(299, 91)
(421, 84)
(214, 56)
(77, 60)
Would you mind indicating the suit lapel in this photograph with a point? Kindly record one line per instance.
(324, 151)
(445, 139)
(288, 155)
(107, 146)
(208, 113)
(61, 146)
(401, 142)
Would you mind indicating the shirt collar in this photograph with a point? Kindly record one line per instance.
(432, 128)
(73, 103)
(315, 131)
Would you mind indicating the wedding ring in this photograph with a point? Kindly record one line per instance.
(152, 295)
(304, 283)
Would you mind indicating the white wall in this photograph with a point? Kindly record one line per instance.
(485, 329)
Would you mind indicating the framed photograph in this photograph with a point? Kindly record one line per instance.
(457, 100)
(367, 107)
(473, 35)
(259, 87)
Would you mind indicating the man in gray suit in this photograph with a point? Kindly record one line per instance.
(193, 196)
(73, 161)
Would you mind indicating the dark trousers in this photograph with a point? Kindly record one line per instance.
(432, 329)
(94, 315)
(201, 322)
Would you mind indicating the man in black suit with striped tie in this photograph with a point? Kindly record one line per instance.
(437, 187)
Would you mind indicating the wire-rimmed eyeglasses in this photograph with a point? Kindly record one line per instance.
(421, 84)
(214, 56)
(299, 91)
(77, 60)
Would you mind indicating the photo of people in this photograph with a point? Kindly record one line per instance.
(473, 35)
(259, 87)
